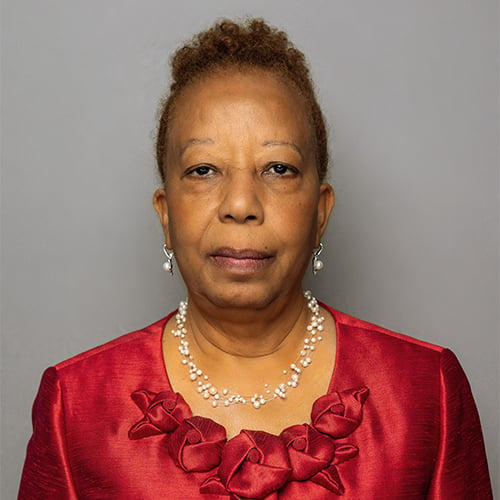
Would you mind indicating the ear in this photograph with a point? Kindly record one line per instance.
(161, 207)
(325, 206)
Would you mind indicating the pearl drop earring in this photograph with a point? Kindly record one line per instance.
(168, 265)
(317, 263)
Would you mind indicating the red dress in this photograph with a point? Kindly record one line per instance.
(398, 421)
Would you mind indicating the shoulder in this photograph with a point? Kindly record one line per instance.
(101, 380)
(128, 342)
(133, 356)
(372, 355)
(355, 329)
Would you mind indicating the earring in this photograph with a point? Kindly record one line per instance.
(317, 263)
(168, 265)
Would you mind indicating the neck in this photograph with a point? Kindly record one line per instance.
(248, 369)
(250, 334)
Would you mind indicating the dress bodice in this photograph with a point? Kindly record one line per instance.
(106, 424)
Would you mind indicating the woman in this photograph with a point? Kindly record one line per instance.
(252, 389)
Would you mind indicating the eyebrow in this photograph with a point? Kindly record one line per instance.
(196, 141)
(284, 143)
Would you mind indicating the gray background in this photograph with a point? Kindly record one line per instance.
(410, 89)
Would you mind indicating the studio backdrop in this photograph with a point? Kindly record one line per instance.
(410, 90)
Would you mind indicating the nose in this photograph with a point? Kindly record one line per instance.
(241, 201)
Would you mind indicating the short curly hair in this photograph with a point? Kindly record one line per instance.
(251, 44)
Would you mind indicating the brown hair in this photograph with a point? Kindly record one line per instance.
(251, 44)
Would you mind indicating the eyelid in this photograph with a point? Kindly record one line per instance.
(192, 169)
(290, 167)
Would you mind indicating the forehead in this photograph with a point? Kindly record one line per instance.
(258, 98)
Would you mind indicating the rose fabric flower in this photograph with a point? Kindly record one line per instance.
(197, 444)
(309, 451)
(301, 462)
(255, 464)
(163, 412)
(339, 413)
(313, 456)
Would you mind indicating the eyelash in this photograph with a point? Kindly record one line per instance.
(288, 169)
(206, 170)
(195, 171)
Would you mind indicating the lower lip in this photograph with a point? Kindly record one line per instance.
(241, 266)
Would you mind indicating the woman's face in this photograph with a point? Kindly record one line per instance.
(243, 207)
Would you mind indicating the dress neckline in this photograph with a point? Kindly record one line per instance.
(256, 464)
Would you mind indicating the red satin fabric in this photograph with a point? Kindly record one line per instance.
(414, 434)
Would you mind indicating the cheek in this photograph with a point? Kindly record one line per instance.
(189, 220)
(295, 221)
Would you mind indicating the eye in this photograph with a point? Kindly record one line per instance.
(200, 171)
(281, 169)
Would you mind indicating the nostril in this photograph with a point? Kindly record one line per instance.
(243, 219)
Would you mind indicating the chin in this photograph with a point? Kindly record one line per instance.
(240, 300)
(239, 296)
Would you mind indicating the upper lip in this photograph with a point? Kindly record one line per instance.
(244, 253)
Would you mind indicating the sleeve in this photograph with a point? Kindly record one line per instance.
(46, 473)
(461, 470)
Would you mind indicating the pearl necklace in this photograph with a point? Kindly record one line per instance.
(224, 398)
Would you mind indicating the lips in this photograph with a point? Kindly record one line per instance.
(241, 261)
(233, 253)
